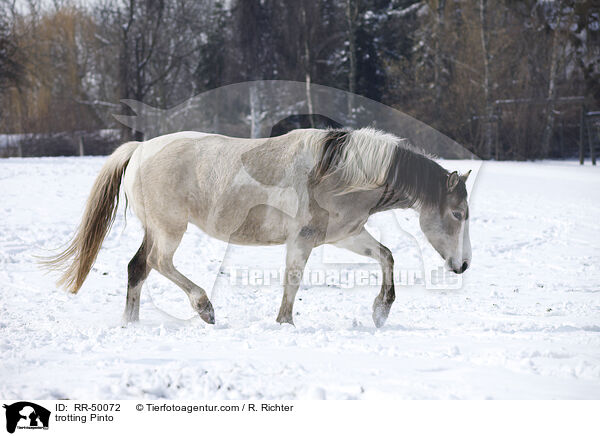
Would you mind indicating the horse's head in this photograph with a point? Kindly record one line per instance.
(447, 224)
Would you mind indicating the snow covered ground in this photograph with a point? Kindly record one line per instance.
(525, 324)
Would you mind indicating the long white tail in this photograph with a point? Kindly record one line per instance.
(77, 259)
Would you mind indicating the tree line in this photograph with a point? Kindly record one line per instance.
(507, 79)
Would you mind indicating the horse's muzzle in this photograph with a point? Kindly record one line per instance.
(462, 269)
(457, 270)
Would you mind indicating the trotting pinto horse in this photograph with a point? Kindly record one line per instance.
(303, 189)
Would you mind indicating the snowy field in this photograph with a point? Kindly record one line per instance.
(525, 324)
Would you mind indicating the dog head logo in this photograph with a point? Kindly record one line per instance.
(26, 415)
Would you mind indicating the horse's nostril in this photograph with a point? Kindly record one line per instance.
(465, 265)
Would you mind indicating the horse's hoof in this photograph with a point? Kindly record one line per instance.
(207, 313)
(281, 319)
(380, 313)
(126, 320)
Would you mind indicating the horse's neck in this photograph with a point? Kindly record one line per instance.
(413, 180)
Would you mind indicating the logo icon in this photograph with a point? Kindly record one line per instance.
(26, 415)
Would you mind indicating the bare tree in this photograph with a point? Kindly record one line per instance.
(559, 39)
(154, 40)
(438, 60)
(489, 108)
(11, 67)
(351, 19)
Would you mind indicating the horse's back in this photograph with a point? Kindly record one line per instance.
(245, 189)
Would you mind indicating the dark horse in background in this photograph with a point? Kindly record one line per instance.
(303, 121)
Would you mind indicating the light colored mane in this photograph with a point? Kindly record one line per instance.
(367, 159)
(361, 158)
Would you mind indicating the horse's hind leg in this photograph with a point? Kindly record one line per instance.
(161, 259)
(137, 272)
(365, 245)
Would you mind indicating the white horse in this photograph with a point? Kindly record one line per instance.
(303, 189)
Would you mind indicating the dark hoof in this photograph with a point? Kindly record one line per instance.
(380, 312)
(206, 312)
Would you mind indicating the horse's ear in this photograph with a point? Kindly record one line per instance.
(452, 181)
(465, 176)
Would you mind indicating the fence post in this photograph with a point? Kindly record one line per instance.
(581, 133)
(591, 143)
(562, 138)
(497, 136)
(594, 155)
(81, 153)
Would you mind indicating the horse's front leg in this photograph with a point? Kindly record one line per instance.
(365, 245)
(298, 251)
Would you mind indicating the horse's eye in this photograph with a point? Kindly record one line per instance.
(457, 215)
